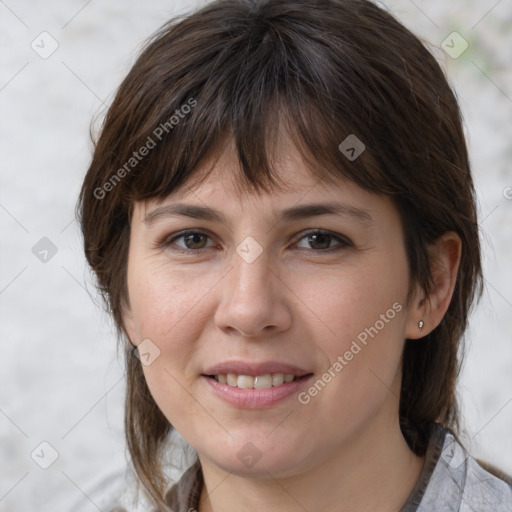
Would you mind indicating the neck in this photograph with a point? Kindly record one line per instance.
(373, 470)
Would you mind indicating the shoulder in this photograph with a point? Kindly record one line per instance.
(486, 490)
(459, 482)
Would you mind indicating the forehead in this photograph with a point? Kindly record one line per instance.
(221, 175)
(219, 183)
(221, 197)
(226, 175)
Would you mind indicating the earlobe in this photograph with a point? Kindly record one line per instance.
(444, 257)
(416, 325)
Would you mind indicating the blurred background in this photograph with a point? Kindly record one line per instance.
(61, 383)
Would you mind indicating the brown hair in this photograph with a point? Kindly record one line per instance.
(321, 70)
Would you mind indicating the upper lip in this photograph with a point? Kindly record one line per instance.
(254, 368)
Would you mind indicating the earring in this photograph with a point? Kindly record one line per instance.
(421, 324)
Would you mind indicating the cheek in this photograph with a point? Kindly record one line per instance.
(166, 308)
(363, 317)
(348, 304)
(164, 302)
(170, 308)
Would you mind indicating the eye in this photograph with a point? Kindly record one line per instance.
(193, 241)
(318, 241)
(322, 240)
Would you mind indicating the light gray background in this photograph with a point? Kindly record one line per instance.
(60, 380)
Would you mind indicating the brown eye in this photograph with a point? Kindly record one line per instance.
(321, 241)
(192, 241)
(316, 241)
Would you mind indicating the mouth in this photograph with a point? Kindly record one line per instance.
(265, 381)
(253, 387)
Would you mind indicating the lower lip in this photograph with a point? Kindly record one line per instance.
(255, 398)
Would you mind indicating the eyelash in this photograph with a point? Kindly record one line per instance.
(343, 241)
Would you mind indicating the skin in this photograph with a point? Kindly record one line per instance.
(298, 303)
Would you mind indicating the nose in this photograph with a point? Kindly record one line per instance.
(254, 299)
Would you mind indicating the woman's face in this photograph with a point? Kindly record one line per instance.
(270, 288)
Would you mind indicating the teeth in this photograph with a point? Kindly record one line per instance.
(262, 381)
(244, 381)
(259, 382)
(277, 379)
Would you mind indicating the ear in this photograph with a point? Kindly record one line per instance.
(444, 256)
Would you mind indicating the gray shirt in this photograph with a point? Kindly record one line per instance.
(451, 481)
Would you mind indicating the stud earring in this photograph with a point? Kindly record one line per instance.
(421, 324)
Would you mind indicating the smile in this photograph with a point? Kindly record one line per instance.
(257, 382)
(241, 391)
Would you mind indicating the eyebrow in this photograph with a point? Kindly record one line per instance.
(288, 214)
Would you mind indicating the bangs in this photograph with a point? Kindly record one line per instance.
(256, 89)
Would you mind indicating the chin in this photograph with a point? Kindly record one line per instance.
(249, 461)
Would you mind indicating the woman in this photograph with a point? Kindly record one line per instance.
(281, 216)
